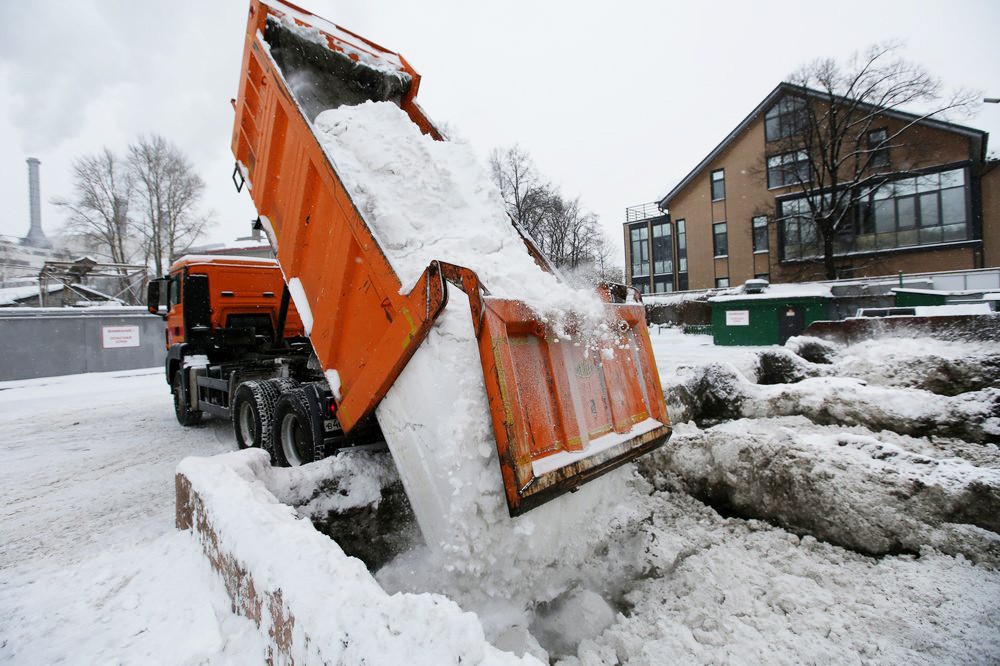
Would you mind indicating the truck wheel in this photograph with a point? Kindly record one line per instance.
(293, 444)
(185, 416)
(253, 411)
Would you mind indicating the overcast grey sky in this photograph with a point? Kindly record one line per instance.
(615, 100)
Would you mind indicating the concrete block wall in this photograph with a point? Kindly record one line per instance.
(45, 342)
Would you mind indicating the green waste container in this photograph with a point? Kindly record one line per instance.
(767, 318)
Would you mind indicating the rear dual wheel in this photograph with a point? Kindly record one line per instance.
(294, 441)
(253, 409)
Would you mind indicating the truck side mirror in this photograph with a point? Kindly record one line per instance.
(153, 299)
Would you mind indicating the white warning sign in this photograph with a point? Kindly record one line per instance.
(117, 337)
(737, 317)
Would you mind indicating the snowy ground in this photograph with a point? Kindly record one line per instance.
(93, 571)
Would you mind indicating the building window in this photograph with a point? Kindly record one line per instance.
(718, 184)
(785, 119)
(910, 212)
(663, 284)
(879, 151)
(788, 169)
(663, 248)
(762, 276)
(682, 255)
(682, 252)
(642, 286)
(722, 282)
(760, 238)
(720, 239)
(639, 242)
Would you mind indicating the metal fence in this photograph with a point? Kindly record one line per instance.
(44, 342)
(643, 212)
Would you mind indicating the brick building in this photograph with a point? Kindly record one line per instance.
(738, 214)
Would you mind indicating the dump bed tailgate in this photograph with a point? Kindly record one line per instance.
(565, 411)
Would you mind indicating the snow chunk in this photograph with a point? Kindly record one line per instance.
(196, 361)
(427, 200)
(298, 295)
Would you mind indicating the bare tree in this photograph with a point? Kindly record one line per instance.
(833, 138)
(98, 210)
(169, 193)
(527, 195)
(564, 231)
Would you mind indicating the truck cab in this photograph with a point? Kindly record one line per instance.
(235, 346)
(207, 296)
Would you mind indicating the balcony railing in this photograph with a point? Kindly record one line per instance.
(642, 212)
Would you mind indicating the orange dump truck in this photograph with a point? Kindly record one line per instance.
(558, 418)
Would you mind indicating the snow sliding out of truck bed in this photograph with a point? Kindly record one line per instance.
(427, 200)
(372, 218)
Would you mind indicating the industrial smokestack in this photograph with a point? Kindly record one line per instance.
(36, 237)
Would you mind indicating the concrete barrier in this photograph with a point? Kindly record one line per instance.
(312, 603)
(44, 342)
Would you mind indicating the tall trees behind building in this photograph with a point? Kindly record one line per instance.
(564, 230)
(142, 207)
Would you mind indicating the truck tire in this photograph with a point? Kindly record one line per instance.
(185, 416)
(293, 429)
(253, 411)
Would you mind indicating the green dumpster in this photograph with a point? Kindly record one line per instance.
(769, 317)
(912, 298)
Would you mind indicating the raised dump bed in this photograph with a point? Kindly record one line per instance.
(572, 394)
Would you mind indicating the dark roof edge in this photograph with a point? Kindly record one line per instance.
(686, 180)
(790, 87)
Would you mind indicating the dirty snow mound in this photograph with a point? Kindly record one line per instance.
(941, 366)
(733, 591)
(814, 350)
(717, 392)
(355, 498)
(854, 489)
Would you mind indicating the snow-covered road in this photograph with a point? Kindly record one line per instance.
(93, 570)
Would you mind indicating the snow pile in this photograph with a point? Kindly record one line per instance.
(351, 480)
(878, 467)
(355, 498)
(427, 200)
(719, 392)
(859, 489)
(723, 590)
(814, 350)
(973, 416)
(947, 367)
(349, 618)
